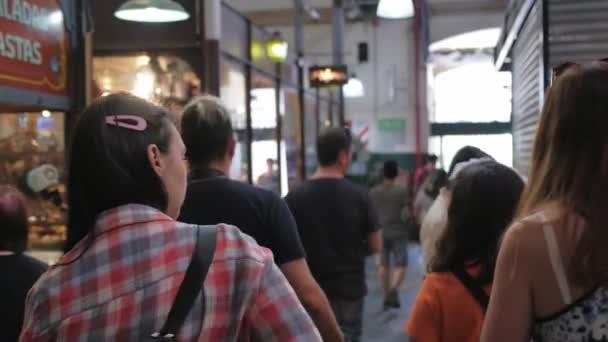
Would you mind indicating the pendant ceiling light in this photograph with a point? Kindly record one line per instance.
(354, 88)
(152, 11)
(395, 9)
(277, 48)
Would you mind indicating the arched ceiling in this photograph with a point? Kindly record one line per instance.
(453, 16)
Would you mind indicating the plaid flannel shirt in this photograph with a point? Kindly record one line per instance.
(122, 286)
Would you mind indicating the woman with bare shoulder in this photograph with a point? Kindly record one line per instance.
(552, 271)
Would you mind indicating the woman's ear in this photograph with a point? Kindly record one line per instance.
(155, 159)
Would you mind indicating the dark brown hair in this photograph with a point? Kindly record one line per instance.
(484, 198)
(109, 166)
(570, 163)
(206, 130)
(13, 220)
(330, 143)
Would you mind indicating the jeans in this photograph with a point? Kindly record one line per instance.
(349, 314)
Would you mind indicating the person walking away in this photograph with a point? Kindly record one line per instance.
(269, 180)
(426, 195)
(552, 277)
(213, 197)
(127, 257)
(422, 173)
(434, 221)
(339, 229)
(18, 272)
(451, 303)
(392, 203)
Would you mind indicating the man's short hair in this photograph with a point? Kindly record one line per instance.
(391, 169)
(13, 220)
(206, 130)
(330, 143)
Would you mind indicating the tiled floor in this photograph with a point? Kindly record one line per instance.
(387, 326)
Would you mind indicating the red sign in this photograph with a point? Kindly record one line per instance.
(33, 46)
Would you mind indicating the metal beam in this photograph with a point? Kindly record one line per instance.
(443, 7)
(338, 48)
(510, 33)
(286, 17)
(468, 128)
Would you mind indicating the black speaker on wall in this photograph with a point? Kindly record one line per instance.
(362, 52)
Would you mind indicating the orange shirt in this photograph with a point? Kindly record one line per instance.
(445, 311)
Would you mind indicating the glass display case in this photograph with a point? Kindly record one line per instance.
(32, 158)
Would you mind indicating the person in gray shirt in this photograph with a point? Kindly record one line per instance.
(392, 203)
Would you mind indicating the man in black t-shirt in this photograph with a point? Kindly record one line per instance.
(214, 198)
(18, 272)
(338, 228)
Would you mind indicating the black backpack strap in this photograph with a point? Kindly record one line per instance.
(191, 284)
(473, 287)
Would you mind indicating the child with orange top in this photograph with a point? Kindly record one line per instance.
(454, 295)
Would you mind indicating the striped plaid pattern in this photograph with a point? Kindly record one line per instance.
(122, 287)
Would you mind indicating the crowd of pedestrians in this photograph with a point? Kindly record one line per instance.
(163, 245)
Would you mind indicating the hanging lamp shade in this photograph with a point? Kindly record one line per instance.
(395, 9)
(354, 88)
(152, 11)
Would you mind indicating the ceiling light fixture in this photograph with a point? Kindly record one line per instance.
(395, 9)
(354, 87)
(152, 11)
(277, 48)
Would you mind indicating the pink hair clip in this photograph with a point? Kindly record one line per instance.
(132, 122)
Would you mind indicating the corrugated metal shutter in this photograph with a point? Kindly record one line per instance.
(578, 30)
(528, 83)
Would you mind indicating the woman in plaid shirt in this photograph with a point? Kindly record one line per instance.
(127, 255)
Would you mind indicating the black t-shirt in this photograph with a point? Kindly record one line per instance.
(212, 198)
(18, 273)
(335, 217)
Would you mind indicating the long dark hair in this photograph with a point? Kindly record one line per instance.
(484, 198)
(436, 180)
(465, 154)
(569, 168)
(109, 166)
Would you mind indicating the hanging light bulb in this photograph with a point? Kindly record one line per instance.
(353, 88)
(395, 9)
(276, 48)
(152, 11)
(145, 80)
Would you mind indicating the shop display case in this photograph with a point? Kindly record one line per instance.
(32, 158)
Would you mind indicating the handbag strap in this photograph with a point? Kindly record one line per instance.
(473, 287)
(191, 284)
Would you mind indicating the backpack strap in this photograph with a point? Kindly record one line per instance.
(191, 285)
(473, 287)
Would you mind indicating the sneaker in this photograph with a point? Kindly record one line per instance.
(392, 300)
(387, 302)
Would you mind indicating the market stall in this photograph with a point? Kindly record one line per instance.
(42, 86)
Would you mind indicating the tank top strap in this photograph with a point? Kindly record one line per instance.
(556, 261)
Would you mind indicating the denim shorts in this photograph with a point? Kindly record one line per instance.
(395, 249)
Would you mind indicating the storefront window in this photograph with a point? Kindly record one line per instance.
(325, 114)
(264, 145)
(310, 128)
(162, 79)
(234, 33)
(32, 158)
(233, 95)
(259, 57)
(289, 147)
(336, 114)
